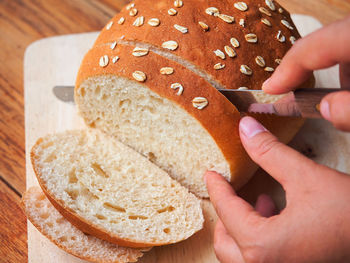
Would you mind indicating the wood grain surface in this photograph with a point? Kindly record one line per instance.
(21, 23)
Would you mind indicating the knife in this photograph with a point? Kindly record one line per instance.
(300, 103)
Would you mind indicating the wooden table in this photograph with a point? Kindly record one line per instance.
(21, 23)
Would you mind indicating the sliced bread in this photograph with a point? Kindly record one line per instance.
(60, 231)
(110, 191)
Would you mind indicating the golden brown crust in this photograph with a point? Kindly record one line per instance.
(220, 118)
(198, 46)
(25, 199)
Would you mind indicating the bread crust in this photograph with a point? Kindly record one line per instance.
(25, 198)
(198, 46)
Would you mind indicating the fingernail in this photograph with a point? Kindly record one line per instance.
(249, 127)
(325, 110)
(266, 83)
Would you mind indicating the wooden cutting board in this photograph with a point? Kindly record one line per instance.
(55, 61)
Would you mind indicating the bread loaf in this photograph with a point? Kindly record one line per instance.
(60, 231)
(108, 190)
(151, 80)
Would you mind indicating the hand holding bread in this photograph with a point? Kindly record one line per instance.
(314, 226)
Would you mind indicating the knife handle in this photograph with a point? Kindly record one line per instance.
(308, 100)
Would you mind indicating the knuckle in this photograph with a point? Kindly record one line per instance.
(264, 147)
(254, 254)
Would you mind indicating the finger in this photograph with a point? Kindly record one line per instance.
(225, 246)
(280, 161)
(321, 49)
(344, 75)
(236, 214)
(265, 206)
(335, 108)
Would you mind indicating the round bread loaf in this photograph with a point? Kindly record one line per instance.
(151, 80)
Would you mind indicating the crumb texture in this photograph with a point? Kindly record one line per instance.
(55, 227)
(154, 126)
(115, 189)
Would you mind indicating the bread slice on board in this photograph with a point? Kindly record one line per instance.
(110, 191)
(151, 81)
(60, 231)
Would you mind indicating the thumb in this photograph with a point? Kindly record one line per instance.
(335, 108)
(280, 161)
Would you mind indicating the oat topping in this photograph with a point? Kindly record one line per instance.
(178, 86)
(178, 3)
(265, 11)
(182, 29)
(251, 38)
(241, 22)
(269, 69)
(154, 22)
(278, 61)
(139, 76)
(241, 6)
(230, 51)
(113, 45)
(166, 71)
(287, 24)
(115, 59)
(199, 103)
(219, 54)
(213, 11)
(234, 42)
(133, 12)
(280, 10)
(270, 4)
(246, 70)
(203, 25)
(172, 12)
(139, 21)
(280, 37)
(121, 21)
(104, 60)
(140, 52)
(266, 22)
(109, 25)
(227, 18)
(171, 45)
(243, 88)
(292, 40)
(129, 6)
(219, 66)
(260, 61)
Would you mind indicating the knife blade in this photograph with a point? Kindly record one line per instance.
(64, 93)
(300, 103)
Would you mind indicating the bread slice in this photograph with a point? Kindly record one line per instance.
(60, 231)
(110, 191)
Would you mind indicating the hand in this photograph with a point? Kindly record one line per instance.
(324, 48)
(314, 226)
